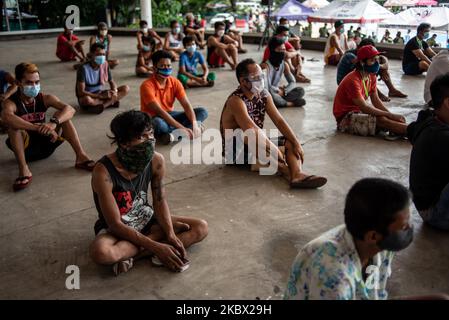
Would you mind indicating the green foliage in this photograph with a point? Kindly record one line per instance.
(164, 11)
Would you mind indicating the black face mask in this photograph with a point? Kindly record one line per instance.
(276, 58)
(397, 241)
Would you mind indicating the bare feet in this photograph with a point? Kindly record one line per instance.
(302, 78)
(396, 94)
(383, 97)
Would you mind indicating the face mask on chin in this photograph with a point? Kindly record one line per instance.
(397, 241)
(136, 158)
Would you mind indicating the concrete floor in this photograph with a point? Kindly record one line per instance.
(256, 222)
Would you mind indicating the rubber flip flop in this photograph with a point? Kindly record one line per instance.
(310, 182)
(20, 186)
(86, 165)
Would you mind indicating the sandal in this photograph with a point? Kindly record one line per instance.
(19, 185)
(88, 165)
(122, 266)
(309, 182)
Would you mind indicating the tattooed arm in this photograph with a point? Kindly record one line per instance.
(161, 210)
(102, 186)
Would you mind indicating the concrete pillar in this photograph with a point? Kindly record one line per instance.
(145, 12)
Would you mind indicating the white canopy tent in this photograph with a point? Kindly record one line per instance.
(315, 4)
(438, 17)
(351, 11)
(399, 3)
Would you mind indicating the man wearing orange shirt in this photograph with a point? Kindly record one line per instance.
(157, 98)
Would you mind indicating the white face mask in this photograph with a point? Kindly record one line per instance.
(103, 33)
(144, 30)
(220, 33)
(257, 86)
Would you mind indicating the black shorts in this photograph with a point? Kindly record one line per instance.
(37, 146)
(243, 156)
(101, 225)
(412, 69)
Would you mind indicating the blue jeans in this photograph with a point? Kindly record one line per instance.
(162, 127)
(438, 215)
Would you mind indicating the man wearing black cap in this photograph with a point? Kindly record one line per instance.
(336, 44)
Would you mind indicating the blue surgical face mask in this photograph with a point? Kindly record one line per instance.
(146, 48)
(100, 60)
(165, 72)
(372, 68)
(191, 48)
(176, 30)
(426, 35)
(342, 29)
(32, 91)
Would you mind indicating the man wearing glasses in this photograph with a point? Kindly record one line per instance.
(244, 112)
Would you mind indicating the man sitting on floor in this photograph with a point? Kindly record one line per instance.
(90, 80)
(292, 56)
(276, 67)
(144, 68)
(245, 111)
(129, 227)
(438, 67)
(30, 137)
(188, 67)
(429, 170)
(293, 39)
(353, 114)
(221, 48)
(69, 47)
(347, 64)
(157, 97)
(235, 35)
(353, 261)
(336, 45)
(8, 87)
(102, 37)
(417, 53)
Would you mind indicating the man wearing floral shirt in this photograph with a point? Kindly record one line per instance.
(353, 261)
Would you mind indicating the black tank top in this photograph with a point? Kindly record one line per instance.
(210, 49)
(33, 112)
(130, 196)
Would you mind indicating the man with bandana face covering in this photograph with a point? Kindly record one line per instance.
(244, 112)
(351, 110)
(128, 226)
(353, 261)
(275, 67)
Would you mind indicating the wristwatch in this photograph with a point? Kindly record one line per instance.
(55, 121)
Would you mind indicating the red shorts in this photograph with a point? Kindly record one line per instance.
(215, 60)
(333, 59)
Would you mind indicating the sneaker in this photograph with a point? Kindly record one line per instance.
(166, 138)
(391, 136)
(157, 263)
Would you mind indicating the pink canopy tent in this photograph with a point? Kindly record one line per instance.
(426, 3)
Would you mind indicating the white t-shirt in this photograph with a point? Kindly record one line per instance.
(439, 66)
